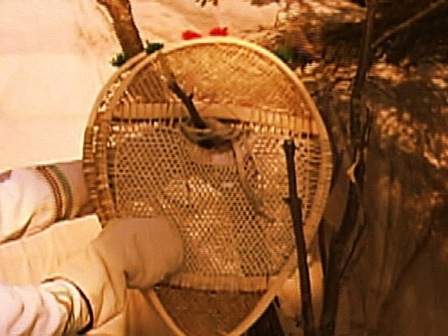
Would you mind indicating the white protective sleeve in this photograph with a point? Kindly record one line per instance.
(54, 308)
(34, 198)
(26, 202)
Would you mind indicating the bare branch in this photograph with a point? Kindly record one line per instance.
(419, 15)
(295, 204)
(345, 240)
(125, 28)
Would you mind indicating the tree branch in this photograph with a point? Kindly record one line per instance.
(125, 28)
(407, 23)
(187, 100)
(295, 204)
(342, 243)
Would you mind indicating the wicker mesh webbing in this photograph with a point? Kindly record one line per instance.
(143, 156)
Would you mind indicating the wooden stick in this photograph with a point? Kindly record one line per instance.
(187, 100)
(196, 118)
(295, 204)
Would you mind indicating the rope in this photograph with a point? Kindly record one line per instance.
(215, 131)
(219, 133)
(241, 156)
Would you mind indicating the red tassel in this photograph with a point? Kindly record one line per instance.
(190, 35)
(219, 31)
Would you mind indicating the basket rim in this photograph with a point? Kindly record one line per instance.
(131, 69)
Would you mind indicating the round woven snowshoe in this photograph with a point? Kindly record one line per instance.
(195, 132)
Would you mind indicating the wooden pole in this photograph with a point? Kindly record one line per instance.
(295, 204)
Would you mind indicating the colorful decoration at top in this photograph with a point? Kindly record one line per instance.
(215, 31)
(151, 47)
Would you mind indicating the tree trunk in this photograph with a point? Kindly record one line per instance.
(125, 28)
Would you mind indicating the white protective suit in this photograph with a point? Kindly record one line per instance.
(89, 289)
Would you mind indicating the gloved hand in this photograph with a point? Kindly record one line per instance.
(129, 252)
(145, 249)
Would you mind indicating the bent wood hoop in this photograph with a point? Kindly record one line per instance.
(142, 157)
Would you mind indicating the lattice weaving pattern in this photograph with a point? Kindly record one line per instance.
(143, 157)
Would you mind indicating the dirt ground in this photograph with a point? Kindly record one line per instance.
(397, 285)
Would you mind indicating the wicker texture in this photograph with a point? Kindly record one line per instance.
(142, 158)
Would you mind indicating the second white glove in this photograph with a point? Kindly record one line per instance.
(129, 252)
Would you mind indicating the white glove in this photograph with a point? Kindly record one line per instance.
(129, 252)
(146, 249)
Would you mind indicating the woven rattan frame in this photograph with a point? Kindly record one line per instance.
(228, 202)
